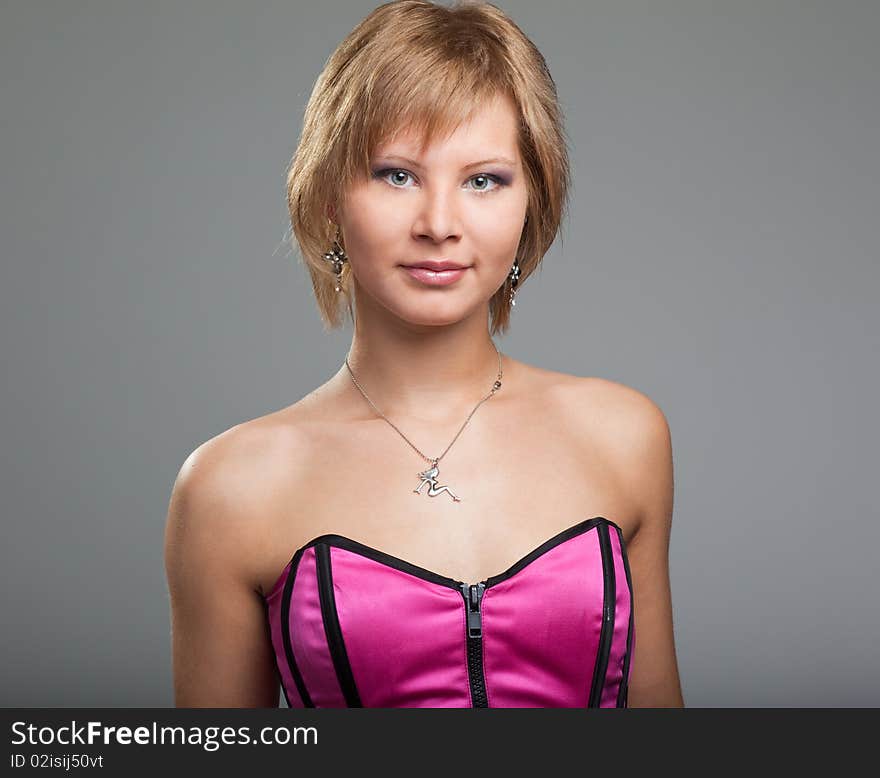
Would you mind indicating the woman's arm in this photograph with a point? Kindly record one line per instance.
(647, 456)
(221, 647)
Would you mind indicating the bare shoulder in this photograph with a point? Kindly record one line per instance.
(220, 507)
(627, 418)
(635, 438)
(226, 494)
(628, 415)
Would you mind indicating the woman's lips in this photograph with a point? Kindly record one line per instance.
(435, 278)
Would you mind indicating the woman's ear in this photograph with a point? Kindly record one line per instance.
(330, 212)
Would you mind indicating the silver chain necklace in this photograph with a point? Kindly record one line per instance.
(429, 477)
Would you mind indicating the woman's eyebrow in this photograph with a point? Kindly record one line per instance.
(413, 163)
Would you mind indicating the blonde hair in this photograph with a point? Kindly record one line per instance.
(417, 66)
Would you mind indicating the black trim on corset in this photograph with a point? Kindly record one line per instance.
(609, 599)
(332, 629)
(278, 676)
(285, 634)
(341, 541)
(547, 545)
(347, 544)
(623, 692)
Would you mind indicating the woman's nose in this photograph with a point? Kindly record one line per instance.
(437, 217)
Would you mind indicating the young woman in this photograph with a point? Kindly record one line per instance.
(439, 524)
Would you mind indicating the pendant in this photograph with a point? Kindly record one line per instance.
(429, 477)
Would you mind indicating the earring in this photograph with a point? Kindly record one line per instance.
(513, 276)
(338, 258)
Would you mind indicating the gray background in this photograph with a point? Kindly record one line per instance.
(721, 257)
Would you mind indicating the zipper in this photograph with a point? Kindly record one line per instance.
(473, 596)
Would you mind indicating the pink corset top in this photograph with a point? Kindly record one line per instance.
(352, 626)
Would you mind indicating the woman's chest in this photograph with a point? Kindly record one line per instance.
(507, 484)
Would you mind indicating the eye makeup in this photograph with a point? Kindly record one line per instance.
(500, 181)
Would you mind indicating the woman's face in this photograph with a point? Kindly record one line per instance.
(464, 202)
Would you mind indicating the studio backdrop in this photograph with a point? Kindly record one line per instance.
(721, 256)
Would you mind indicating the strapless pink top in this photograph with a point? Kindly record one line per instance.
(354, 627)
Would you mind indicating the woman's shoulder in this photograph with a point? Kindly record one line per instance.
(630, 407)
(626, 418)
(623, 423)
(637, 443)
(253, 467)
(228, 492)
(234, 453)
(595, 398)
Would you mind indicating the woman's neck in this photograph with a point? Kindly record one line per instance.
(433, 377)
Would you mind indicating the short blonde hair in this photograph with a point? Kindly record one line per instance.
(413, 65)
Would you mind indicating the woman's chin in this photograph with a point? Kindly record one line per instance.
(434, 313)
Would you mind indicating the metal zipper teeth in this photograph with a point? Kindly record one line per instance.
(608, 600)
(474, 624)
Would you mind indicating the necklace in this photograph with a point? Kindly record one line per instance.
(429, 477)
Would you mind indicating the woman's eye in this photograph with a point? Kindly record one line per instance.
(486, 179)
(397, 178)
(393, 176)
(396, 174)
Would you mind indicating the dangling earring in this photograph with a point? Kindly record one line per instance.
(513, 276)
(338, 257)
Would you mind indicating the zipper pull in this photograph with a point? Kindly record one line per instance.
(473, 596)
